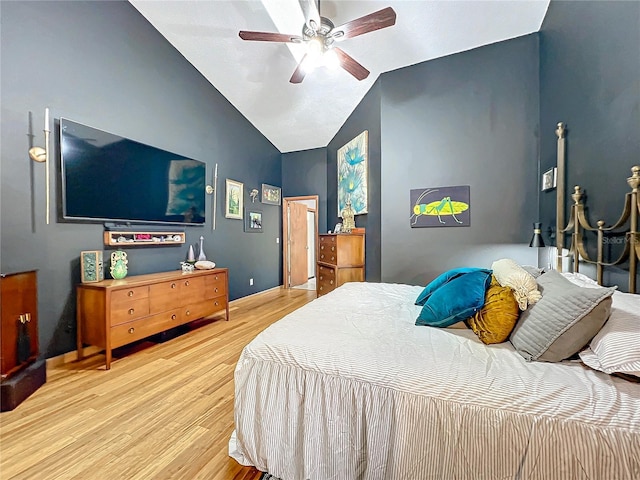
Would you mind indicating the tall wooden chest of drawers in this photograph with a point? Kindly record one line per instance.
(340, 260)
(113, 313)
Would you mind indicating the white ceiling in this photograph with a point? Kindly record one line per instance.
(254, 76)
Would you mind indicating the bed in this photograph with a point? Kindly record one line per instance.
(350, 387)
(336, 392)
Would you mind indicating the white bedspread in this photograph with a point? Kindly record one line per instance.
(348, 387)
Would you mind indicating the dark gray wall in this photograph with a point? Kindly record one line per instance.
(365, 117)
(305, 173)
(103, 64)
(468, 119)
(590, 79)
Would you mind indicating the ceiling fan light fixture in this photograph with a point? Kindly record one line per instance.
(320, 35)
(315, 47)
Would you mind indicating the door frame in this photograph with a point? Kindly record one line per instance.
(285, 232)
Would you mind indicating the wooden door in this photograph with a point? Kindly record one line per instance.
(297, 244)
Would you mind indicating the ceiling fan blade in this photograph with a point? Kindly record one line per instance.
(298, 74)
(350, 65)
(311, 14)
(269, 37)
(369, 23)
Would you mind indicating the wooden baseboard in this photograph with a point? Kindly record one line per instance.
(72, 356)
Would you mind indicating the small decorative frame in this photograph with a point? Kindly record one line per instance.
(234, 199)
(271, 195)
(338, 228)
(91, 266)
(549, 179)
(253, 221)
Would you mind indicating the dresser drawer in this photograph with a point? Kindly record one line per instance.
(163, 296)
(122, 312)
(127, 294)
(326, 279)
(328, 252)
(203, 309)
(215, 285)
(138, 329)
(192, 289)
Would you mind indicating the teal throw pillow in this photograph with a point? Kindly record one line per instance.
(442, 279)
(456, 300)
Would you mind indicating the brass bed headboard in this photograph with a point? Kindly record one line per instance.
(578, 222)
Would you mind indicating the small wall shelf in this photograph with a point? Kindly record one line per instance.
(135, 239)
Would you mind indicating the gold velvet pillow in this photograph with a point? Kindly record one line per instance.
(496, 319)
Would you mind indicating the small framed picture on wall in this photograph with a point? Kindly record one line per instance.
(233, 199)
(270, 194)
(549, 179)
(253, 221)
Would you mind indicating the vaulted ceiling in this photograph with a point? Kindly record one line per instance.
(254, 76)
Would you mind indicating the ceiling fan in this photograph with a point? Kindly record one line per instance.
(320, 35)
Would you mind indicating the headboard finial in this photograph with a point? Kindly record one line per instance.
(560, 130)
(576, 195)
(634, 179)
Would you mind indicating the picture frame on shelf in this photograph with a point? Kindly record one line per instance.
(234, 199)
(271, 195)
(253, 221)
(549, 179)
(338, 228)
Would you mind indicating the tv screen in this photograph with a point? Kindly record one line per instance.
(109, 178)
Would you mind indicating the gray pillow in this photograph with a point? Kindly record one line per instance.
(563, 321)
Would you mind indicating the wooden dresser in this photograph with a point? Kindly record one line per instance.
(113, 313)
(340, 260)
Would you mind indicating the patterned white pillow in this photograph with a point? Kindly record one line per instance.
(616, 347)
(509, 274)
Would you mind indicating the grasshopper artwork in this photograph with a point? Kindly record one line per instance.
(444, 206)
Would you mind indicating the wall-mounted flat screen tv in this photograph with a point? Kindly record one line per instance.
(109, 178)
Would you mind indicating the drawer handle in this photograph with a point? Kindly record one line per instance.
(321, 247)
(216, 277)
(173, 285)
(186, 283)
(131, 330)
(188, 313)
(331, 282)
(320, 287)
(173, 317)
(322, 256)
(215, 290)
(131, 311)
(216, 304)
(130, 293)
(333, 249)
(332, 258)
(321, 277)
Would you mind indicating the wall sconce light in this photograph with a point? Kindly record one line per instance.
(213, 190)
(41, 155)
(253, 195)
(536, 240)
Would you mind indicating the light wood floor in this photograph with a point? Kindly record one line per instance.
(163, 411)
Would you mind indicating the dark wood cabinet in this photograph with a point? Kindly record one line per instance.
(19, 330)
(22, 371)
